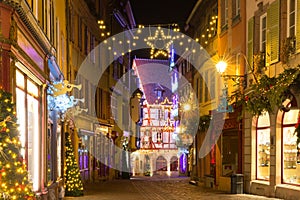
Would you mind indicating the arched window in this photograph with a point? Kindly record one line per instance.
(290, 154)
(161, 164)
(263, 147)
(174, 164)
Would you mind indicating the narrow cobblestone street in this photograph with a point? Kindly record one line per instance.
(156, 188)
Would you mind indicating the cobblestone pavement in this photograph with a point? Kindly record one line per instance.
(156, 188)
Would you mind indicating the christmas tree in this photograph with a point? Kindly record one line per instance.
(14, 182)
(74, 186)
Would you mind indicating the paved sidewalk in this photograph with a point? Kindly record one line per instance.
(156, 188)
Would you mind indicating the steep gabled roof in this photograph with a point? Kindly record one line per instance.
(154, 75)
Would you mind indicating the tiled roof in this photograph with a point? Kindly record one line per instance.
(154, 74)
(142, 61)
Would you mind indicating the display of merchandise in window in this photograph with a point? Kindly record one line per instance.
(263, 147)
(290, 149)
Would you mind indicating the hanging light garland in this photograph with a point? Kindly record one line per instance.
(102, 28)
(210, 31)
(161, 39)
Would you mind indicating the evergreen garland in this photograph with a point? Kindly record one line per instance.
(268, 93)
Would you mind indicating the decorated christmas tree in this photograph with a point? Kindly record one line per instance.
(74, 186)
(14, 183)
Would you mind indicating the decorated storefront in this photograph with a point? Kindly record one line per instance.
(271, 140)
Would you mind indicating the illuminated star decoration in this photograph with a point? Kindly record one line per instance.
(159, 43)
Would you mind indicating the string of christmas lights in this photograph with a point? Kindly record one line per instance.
(14, 183)
(74, 186)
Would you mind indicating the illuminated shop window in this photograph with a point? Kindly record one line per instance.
(27, 105)
(290, 154)
(263, 147)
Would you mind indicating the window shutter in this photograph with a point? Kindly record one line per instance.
(250, 42)
(272, 49)
(298, 26)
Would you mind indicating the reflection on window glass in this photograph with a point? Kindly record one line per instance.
(263, 147)
(32, 88)
(33, 138)
(290, 151)
(20, 79)
(20, 96)
(27, 107)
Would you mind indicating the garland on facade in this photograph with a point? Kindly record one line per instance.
(269, 93)
(74, 186)
(14, 183)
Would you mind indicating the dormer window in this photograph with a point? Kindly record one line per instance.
(159, 90)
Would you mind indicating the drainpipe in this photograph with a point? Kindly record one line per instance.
(191, 15)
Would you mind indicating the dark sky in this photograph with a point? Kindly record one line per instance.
(149, 12)
(154, 12)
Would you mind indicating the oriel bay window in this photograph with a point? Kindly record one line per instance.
(28, 109)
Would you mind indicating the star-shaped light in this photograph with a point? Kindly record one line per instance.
(159, 43)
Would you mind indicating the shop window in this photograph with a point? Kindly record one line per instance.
(290, 163)
(263, 147)
(27, 106)
(229, 153)
(161, 164)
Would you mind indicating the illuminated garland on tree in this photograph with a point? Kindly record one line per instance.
(14, 182)
(74, 186)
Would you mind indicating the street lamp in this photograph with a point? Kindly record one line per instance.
(221, 68)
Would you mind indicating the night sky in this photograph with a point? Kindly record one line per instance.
(149, 12)
(160, 12)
